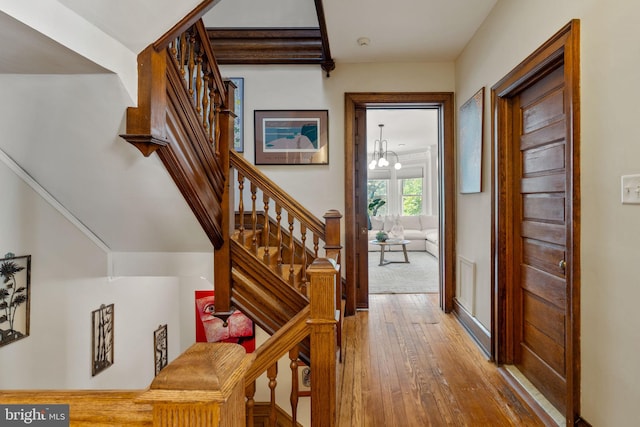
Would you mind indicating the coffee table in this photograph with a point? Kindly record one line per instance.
(389, 243)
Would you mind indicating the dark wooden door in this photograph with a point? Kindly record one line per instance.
(360, 200)
(540, 235)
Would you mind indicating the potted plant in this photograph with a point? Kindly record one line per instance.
(373, 207)
(382, 236)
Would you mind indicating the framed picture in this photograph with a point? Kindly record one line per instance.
(304, 379)
(471, 134)
(101, 338)
(15, 298)
(160, 349)
(238, 125)
(239, 329)
(298, 137)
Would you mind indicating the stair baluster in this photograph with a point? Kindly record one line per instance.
(272, 374)
(292, 251)
(241, 206)
(254, 219)
(303, 281)
(250, 392)
(279, 235)
(294, 355)
(316, 244)
(265, 231)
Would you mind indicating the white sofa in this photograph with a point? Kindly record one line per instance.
(421, 230)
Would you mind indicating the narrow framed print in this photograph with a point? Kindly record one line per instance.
(291, 137)
(15, 298)
(160, 348)
(304, 379)
(238, 123)
(102, 338)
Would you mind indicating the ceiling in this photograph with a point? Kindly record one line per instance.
(405, 30)
(407, 131)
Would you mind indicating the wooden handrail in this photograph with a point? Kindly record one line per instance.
(276, 193)
(183, 24)
(202, 33)
(279, 344)
(203, 386)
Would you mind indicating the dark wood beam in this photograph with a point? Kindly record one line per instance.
(274, 45)
(327, 65)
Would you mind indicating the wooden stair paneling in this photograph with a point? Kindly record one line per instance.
(289, 300)
(262, 307)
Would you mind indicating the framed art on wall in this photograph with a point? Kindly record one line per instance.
(15, 298)
(238, 124)
(239, 329)
(470, 148)
(160, 348)
(304, 379)
(291, 137)
(102, 338)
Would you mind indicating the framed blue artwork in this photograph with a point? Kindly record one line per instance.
(291, 137)
(470, 121)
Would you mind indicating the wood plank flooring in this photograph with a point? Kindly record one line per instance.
(406, 363)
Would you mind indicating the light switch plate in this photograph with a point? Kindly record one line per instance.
(630, 189)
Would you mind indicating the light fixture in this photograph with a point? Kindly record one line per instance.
(380, 155)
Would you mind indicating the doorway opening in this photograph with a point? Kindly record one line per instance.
(356, 179)
(402, 200)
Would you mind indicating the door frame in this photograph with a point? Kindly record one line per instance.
(446, 184)
(563, 47)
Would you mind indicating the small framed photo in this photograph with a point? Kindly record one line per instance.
(291, 137)
(15, 298)
(102, 338)
(161, 352)
(304, 379)
(238, 125)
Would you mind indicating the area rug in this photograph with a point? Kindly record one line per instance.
(418, 277)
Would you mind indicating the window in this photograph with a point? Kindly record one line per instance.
(411, 196)
(377, 189)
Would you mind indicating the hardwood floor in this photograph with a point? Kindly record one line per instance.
(406, 363)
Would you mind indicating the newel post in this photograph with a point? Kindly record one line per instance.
(146, 123)
(203, 387)
(323, 274)
(332, 245)
(222, 255)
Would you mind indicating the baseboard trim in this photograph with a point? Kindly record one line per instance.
(526, 397)
(478, 332)
(580, 422)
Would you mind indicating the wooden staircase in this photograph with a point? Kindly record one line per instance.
(276, 262)
(273, 259)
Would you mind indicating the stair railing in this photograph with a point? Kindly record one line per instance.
(184, 115)
(317, 321)
(294, 232)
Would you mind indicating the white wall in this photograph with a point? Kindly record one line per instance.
(610, 238)
(68, 281)
(321, 187)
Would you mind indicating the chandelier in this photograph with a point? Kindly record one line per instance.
(380, 155)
